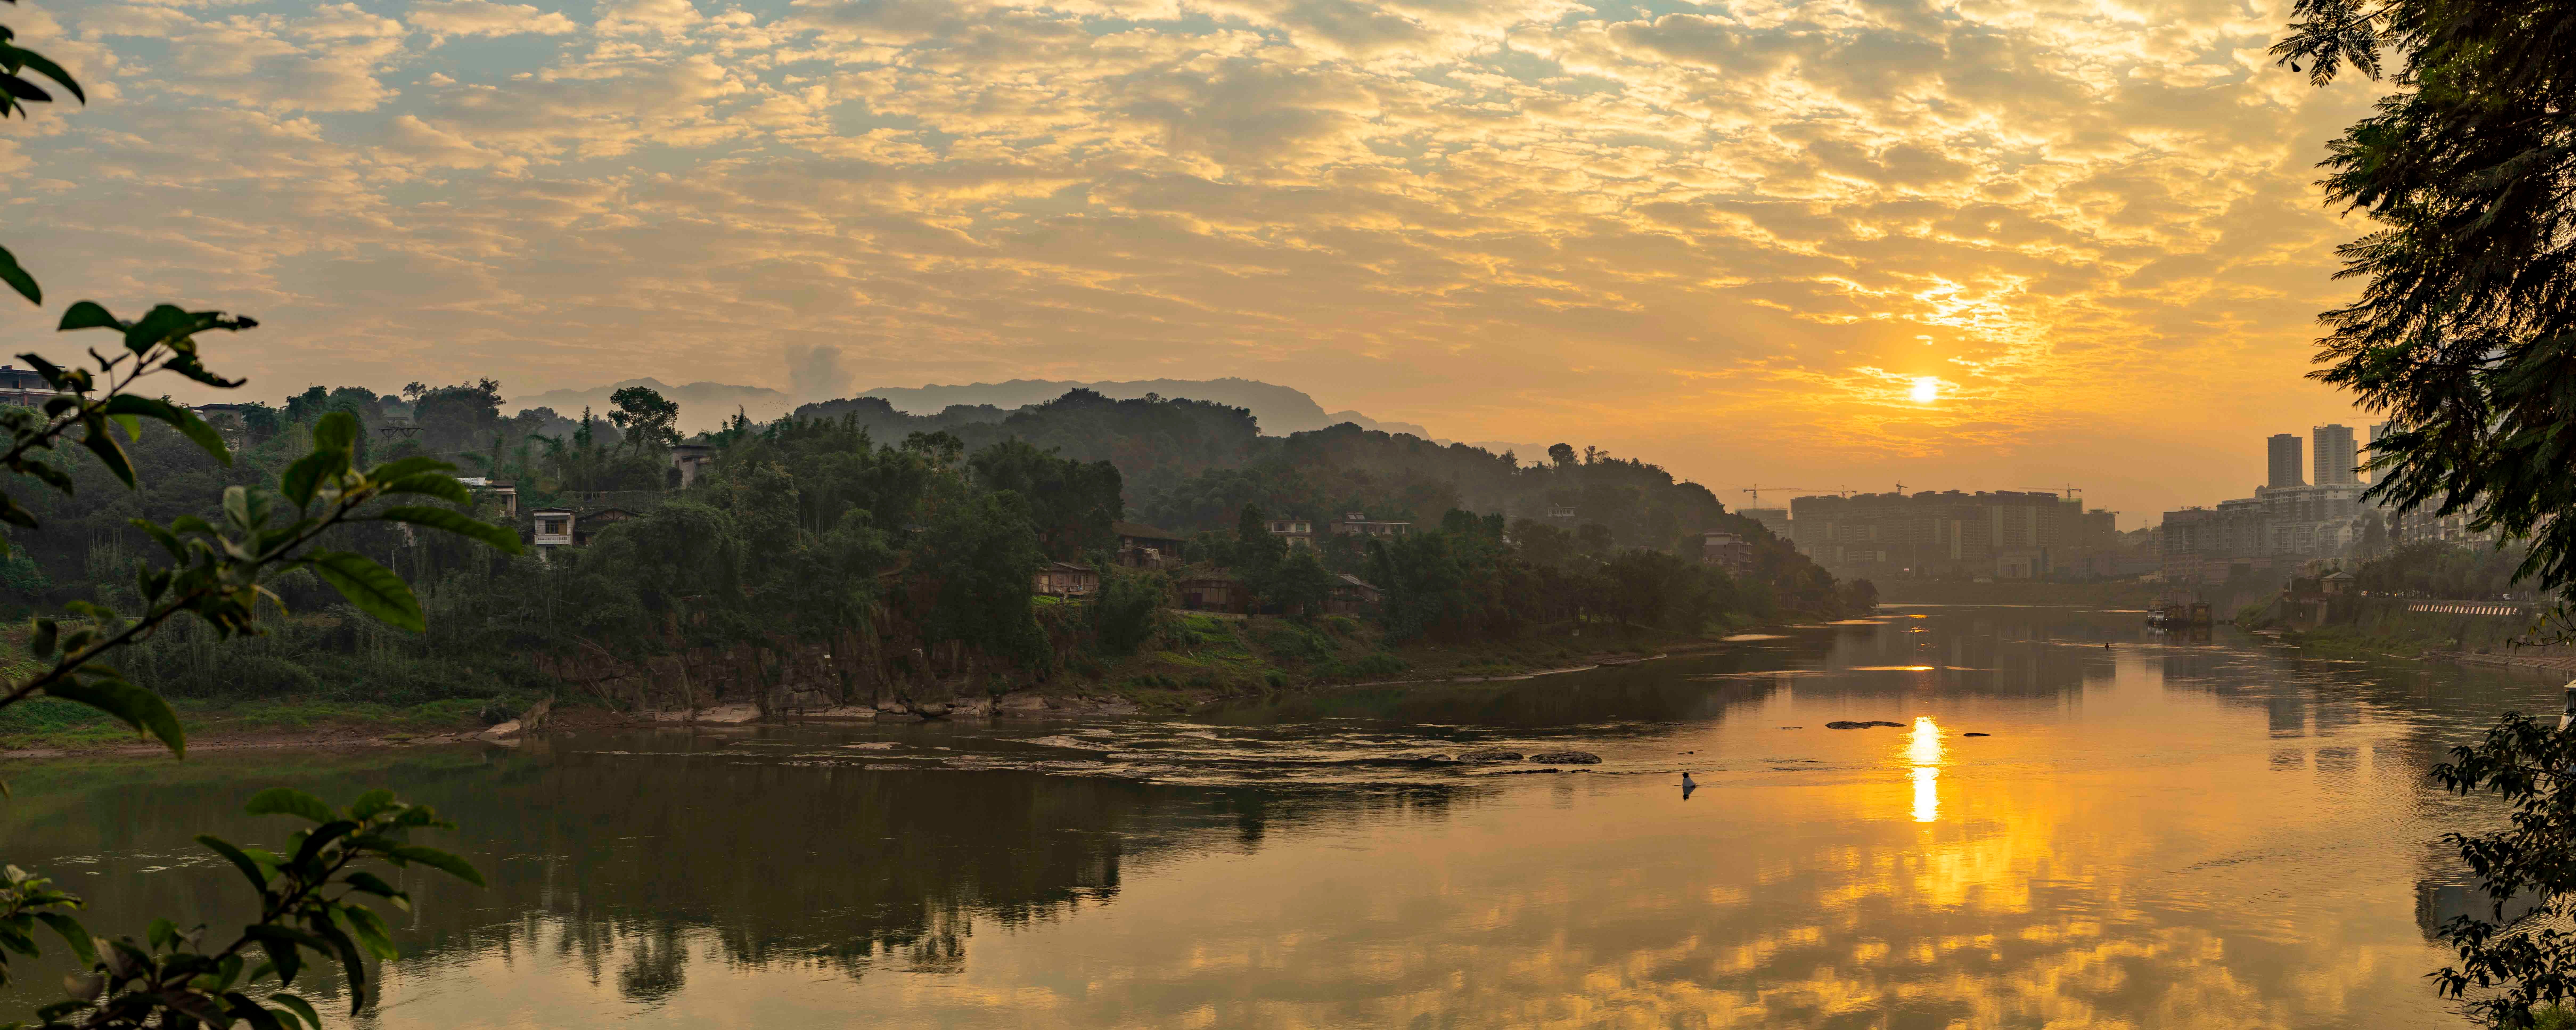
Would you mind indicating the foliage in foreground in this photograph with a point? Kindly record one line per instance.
(2514, 966)
(313, 898)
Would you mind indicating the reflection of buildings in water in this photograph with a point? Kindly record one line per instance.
(2447, 892)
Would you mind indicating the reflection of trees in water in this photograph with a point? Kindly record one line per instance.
(626, 859)
(656, 965)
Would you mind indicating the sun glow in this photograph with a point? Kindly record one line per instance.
(1926, 389)
(1925, 752)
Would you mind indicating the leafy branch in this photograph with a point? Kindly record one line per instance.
(133, 984)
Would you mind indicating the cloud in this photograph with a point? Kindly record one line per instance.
(484, 18)
(1502, 216)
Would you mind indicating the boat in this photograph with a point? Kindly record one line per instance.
(2165, 613)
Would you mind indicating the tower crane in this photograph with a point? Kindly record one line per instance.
(1756, 491)
(2069, 490)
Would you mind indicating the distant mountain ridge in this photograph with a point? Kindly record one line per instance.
(702, 405)
(1281, 409)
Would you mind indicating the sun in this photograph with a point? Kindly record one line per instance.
(1926, 389)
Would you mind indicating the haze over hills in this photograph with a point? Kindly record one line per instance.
(1281, 410)
(702, 405)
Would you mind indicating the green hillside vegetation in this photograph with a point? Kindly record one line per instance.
(855, 556)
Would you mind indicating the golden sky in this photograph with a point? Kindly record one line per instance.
(1732, 238)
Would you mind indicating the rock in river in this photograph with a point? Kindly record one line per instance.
(1976, 734)
(1849, 725)
(1490, 754)
(1566, 758)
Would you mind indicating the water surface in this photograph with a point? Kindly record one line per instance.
(2157, 833)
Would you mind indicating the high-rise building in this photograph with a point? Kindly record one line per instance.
(2285, 461)
(2334, 455)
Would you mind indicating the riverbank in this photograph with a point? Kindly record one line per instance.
(1200, 661)
(2393, 631)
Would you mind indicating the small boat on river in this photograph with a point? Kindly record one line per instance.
(2166, 613)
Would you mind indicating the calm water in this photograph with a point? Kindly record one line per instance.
(2157, 834)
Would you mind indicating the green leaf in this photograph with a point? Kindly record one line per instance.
(300, 1007)
(337, 431)
(74, 935)
(370, 930)
(351, 964)
(46, 67)
(281, 943)
(87, 314)
(18, 279)
(237, 507)
(302, 479)
(439, 860)
(162, 324)
(372, 587)
(290, 801)
(370, 883)
(101, 443)
(250, 870)
(168, 540)
(250, 1012)
(178, 417)
(373, 802)
(130, 704)
(502, 538)
(435, 484)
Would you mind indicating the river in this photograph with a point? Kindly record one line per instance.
(2155, 833)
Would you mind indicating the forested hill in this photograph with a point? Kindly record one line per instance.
(1192, 465)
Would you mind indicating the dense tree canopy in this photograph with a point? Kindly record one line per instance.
(2465, 329)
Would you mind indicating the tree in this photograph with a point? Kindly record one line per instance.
(1299, 585)
(217, 574)
(2465, 329)
(980, 555)
(457, 418)
(2526, 765)
(649, 422)
(1071, 503)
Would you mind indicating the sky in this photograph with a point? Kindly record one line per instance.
(1812, 245)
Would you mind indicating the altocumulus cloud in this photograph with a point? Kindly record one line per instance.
(1619, 221)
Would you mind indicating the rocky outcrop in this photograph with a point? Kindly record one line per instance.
(1485, 755)
(1849, 725)
(1566, 758)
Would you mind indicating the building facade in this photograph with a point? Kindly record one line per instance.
(2283, 451)
(1949, 534)
(2284, 524)
(2336, 457)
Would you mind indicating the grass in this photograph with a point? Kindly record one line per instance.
(51, 723)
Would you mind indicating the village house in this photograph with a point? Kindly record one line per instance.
(1065, 579)
(505, 494)
(690, 460)
(1215, 593)
(553, 527)
(1727, 551)
(591, 522)
(1145, 547)
(1355, 523)
(1298, 532)
(1352, 596)
(564, 527)
(25, 388)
